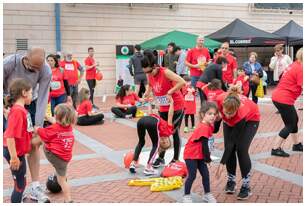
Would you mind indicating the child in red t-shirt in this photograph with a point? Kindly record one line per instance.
(87, 116)
(243, 81)
(159, 132)
(58, 142)
(126, 101)
(189, 103)
(212, 90)
(197, 152)
(18, 134)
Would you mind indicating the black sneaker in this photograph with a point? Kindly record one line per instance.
(230, 187)
(244, 193)
(279, 152)
(158, 162)
(298, 147)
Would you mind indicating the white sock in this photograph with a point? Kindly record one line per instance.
(35, 184)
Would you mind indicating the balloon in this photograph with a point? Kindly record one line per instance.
(99, 76)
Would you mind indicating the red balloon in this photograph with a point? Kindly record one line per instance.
(128, 158)
(99, 76)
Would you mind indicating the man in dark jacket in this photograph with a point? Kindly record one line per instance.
(135, 68)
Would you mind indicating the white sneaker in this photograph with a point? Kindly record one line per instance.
(151, 171)
(187, 199)
(209, 198)
(38, 194)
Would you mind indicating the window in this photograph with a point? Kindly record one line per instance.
(21, 44)
(278, 6)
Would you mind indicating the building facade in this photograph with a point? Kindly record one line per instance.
(103, 26)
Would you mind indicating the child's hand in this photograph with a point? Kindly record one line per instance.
(246, 78)
(69, 101)
(36, 129)
(15, 163)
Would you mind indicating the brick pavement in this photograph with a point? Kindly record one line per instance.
(94, 178)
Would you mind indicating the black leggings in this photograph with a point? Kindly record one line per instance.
(192, 166)
(150, 124)
(253, 88)
(239, 145)
(203, 97)
(91, 84)
(19, 177)
(289, 117)
(177, 120)
(121, 112)
(186, 119)
(90, 120)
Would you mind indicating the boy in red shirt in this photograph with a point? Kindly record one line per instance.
(18, 134)
(197, 153)
(243, 81)
(58, 142)
(189, 103)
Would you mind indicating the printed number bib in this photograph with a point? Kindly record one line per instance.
(189, 97)
(211, 141)
(69, 67)
(55, 85)
(162, 100)
(30, 127)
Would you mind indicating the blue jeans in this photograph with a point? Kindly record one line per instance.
(192, 166)
(194, 81)
(19, 177)
(57, 100)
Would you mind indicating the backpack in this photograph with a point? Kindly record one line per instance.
(175, 169)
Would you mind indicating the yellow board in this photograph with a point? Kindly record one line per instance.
(139, 113)
(159, 184)
(48, 112)
(260, 90)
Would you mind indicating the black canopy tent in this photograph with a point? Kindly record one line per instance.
(241, 34)
(291, 32)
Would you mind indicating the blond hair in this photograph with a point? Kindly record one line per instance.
(299, 55)
(65, 115)
(232, 102)
(278, 47)
(253, 53)
(83, 95)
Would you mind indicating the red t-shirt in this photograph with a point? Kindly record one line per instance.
(57, 83)
(160, 86)
(290, 86)
(212, 94)
(58, 139)
(130, 99)
(228, 71)
(90, 73)
(189, 99)
(248, 110)
(193, 148)
(71, 71)
(245, 84)
(19, 127)
(84, 108)
(164, 129)
(192, 57)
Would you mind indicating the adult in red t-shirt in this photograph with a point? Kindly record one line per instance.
(125, 102)
(72, 79)
(165, 84)
(241, 120)
(284, 96)
(90, 65)
(86, 115)
(159, 132)
(229, 70)
(197, 59)
(57, 88)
